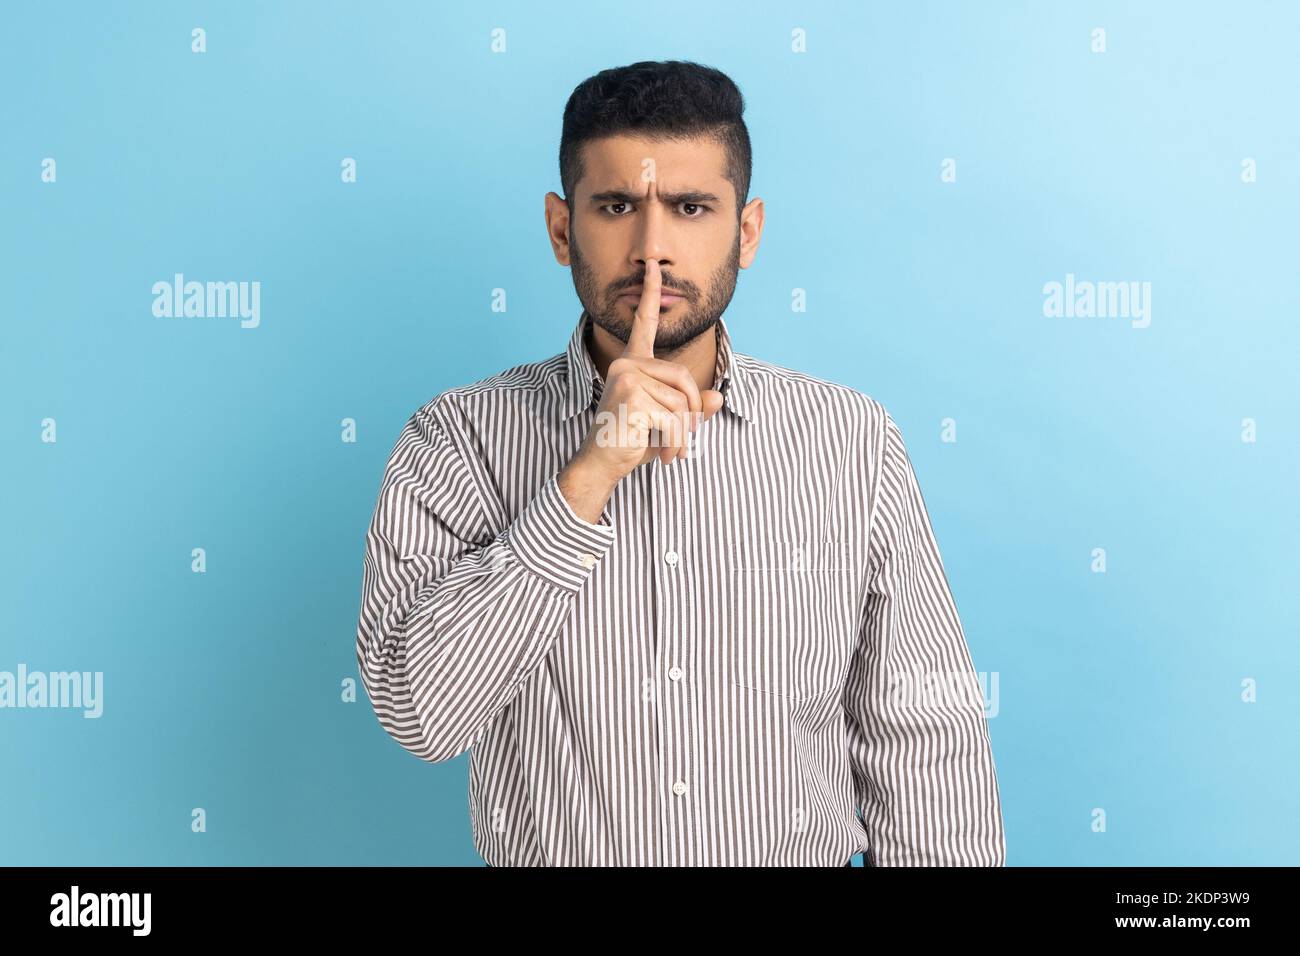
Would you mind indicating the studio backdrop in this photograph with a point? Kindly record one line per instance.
(1056, 241)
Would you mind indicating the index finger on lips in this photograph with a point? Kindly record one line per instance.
(645, 321)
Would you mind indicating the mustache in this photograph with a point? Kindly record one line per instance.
(667, 286)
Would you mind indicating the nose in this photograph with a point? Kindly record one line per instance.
(654, 235)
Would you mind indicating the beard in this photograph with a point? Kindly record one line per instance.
(696, 314)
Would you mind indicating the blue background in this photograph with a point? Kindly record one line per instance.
(1119, 691)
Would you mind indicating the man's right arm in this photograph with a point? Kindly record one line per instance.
(455, 615)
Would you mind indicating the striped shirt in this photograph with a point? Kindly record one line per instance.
(753, 658)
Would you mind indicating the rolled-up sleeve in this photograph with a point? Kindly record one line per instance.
(457, 614)
(919, 742)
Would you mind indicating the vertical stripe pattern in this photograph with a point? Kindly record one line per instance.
(752, 659)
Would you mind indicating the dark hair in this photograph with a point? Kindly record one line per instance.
(673, 99)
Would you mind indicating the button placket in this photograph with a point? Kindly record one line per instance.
(676, 700)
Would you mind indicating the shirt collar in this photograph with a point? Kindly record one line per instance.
(585, 383)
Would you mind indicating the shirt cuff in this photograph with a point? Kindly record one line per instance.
(554, 543)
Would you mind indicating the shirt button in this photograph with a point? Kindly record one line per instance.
(588, 560)
(679, 788)
(675, 672)
(671, 558)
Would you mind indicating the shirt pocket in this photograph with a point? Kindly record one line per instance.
(791, 627)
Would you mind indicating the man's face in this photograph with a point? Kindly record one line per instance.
(664, 199)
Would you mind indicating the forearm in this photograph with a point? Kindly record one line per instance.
(444, 644)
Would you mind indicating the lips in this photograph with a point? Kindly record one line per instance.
(665, 298)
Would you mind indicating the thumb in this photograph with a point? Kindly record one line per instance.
(710, 402)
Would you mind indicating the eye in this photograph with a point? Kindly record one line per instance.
(703, 210)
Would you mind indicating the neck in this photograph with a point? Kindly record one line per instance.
(699, 355)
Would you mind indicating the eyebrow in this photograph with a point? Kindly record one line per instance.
(690, 195)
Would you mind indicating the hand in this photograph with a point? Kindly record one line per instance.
(658, 397)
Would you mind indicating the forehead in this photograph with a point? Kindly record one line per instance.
(616, 162)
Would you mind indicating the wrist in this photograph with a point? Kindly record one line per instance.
(590, 472)
(586, 486)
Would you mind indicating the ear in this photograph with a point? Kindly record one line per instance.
(557, 226)
(751, 231)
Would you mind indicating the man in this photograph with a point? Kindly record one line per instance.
(682, 606)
